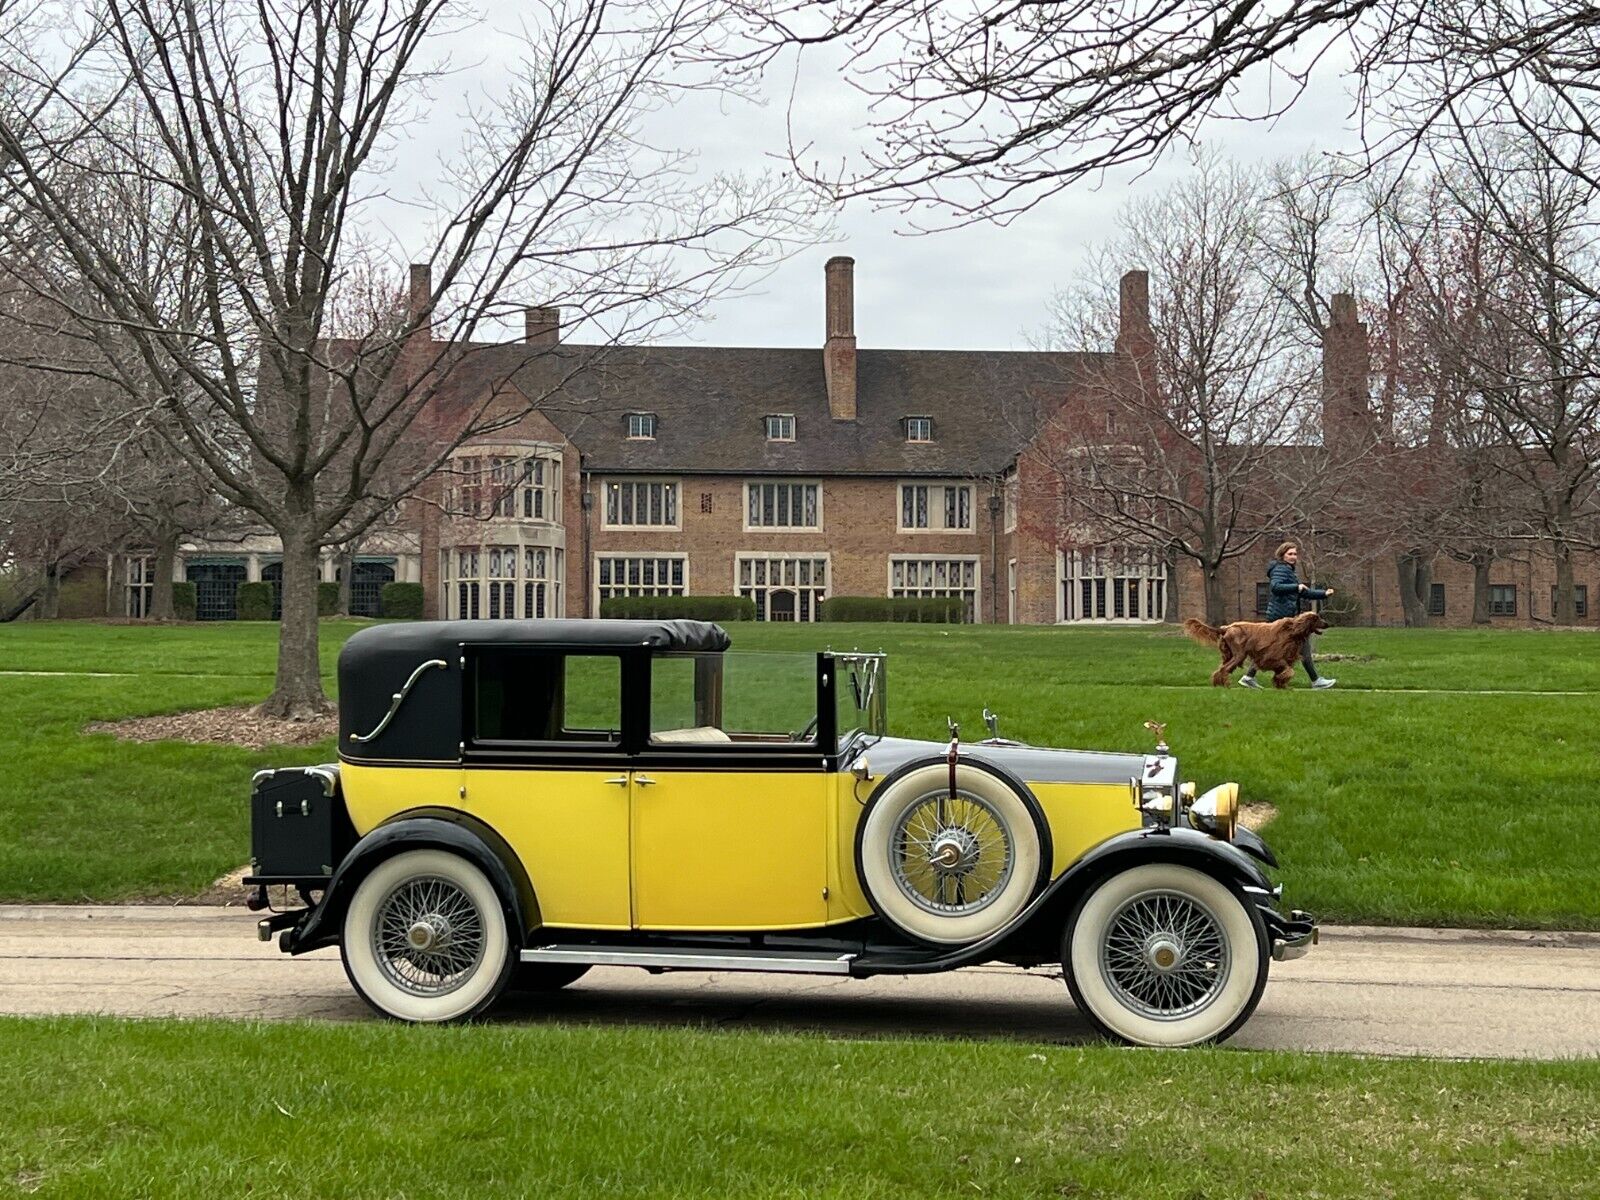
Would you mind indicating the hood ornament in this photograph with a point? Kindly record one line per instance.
(991, 722)
(1159, 728)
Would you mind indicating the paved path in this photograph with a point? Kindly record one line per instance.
(1380, 991)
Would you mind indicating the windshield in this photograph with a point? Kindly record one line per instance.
(860, 695)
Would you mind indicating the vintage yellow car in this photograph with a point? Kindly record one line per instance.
(518, 801)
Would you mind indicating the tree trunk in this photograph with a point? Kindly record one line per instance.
(50, 595)
(1482, 560)
(347, 571)
(1216, 602)
(1171, 616)
(161, 606)
(1565, 609)
(1414, 574)
(297, 693)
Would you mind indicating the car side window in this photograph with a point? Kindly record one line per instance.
(536, 696)
(759, 700)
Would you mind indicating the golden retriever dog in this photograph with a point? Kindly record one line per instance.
(1270, 645)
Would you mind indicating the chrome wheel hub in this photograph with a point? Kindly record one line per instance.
(951, 855)
(1164, 955)
(954, 850)
(428, 936)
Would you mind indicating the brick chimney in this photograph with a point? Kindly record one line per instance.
(839, 350)
(418, 298)
(541, 326)
(1135, 337)
(1347, 419)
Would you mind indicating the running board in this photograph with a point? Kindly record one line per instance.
(794, 963)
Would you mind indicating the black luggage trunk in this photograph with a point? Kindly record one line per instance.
(299, 829)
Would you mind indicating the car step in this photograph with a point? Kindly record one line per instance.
(692, 959)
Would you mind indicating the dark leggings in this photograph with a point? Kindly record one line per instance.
(1305, 661)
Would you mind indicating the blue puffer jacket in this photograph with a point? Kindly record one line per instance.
(1287, 598)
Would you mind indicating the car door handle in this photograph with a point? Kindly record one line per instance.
(620, 781)
(643, 780)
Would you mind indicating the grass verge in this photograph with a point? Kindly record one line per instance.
(169, 1109)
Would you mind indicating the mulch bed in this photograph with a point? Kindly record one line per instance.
(240, 726)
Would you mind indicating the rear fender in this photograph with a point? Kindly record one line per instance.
(419, 829)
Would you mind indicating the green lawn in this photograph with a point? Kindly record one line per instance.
(169, 1109)
(1406, 794)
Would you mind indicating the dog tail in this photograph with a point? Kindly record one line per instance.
(1207, 635)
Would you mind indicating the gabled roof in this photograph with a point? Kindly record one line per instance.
(710, 404)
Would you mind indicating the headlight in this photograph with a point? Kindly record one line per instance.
(1217, 812)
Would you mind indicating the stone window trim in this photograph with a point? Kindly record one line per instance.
(505, 482)
(502, 580)
(935, 511)
(918, 430)
(808, 595)
(671, 498)
(919, 578)
(804, 494)
(1111, 584)
(676, 583)
(780, 427)
(641, 426)
(1011, 490)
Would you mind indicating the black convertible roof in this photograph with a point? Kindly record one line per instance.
(432, 637)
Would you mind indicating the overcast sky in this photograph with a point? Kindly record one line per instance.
(977, 287)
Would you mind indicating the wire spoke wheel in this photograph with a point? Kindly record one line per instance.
(428, 936)
(1164, 955)
(951, 856)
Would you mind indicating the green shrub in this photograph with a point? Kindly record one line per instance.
(674, 608)
(327, 599)
(253, 602)
(402, 600)
(937, 610)
(183, 601)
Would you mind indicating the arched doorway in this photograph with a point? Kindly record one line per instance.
(781, 605)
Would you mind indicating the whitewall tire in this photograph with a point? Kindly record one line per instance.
(1164, 955)
(945, 871)
(425, 938)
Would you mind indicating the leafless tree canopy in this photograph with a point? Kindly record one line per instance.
(1202, 438)
(199, 185)
(982, 109)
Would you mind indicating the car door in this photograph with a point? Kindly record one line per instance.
(545, 768)
(730, 832)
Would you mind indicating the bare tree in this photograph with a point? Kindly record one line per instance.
(983, 109)
(1532, 349)
(1198, 440)
(260, 137)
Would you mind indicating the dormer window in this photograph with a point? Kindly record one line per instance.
(642, 426)
(780, 427)
(919, 429)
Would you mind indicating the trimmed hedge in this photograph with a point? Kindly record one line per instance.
(676, 608)
(184, 602)
(253, 602)
(327, 599)
(936, 610)
(401, 600)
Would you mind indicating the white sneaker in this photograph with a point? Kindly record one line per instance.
(1324, 682)
(1248, 681)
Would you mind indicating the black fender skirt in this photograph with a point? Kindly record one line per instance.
(1035, 933)
(420, 829)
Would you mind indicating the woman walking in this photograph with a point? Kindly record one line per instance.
(1288, 599)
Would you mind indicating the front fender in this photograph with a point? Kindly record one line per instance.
(1035, 934)
(420, 829)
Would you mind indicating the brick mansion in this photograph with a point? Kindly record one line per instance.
(787, 476)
